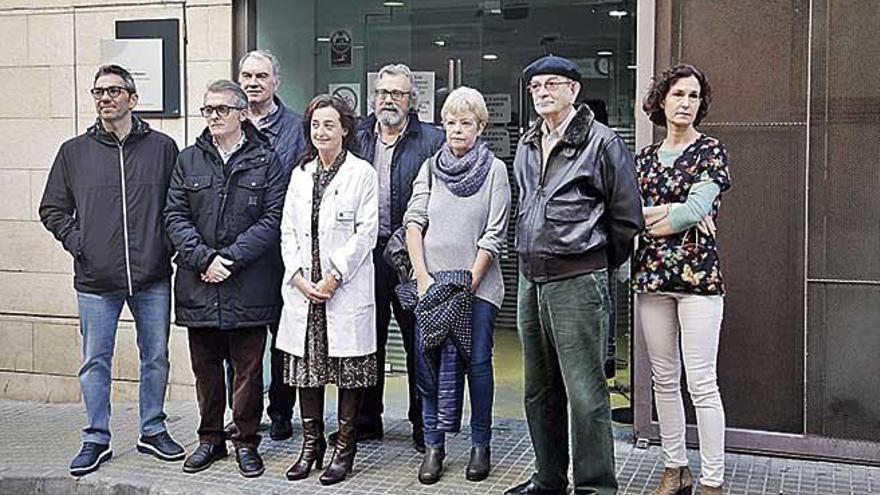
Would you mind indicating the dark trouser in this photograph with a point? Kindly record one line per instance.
(282, 397)
(372, 407)
(243, 347)
(563, 327)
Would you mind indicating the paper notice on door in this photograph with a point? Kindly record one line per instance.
(498, 139)
(499, 108)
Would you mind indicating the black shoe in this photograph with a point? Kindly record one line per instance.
(230, 431)
(250, 464)
(204, 455)
(529, 488)
(478, 466)
(90, 458)
(161, 446)
(418, 438)
(281, 430)
(432, 466)
(363, 435)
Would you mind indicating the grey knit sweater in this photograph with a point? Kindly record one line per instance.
(458, 227)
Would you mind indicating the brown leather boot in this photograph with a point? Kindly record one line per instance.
(675, 481)
(711, 490)
(311, 406)
(346, 440)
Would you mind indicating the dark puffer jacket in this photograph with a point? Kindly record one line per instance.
(236, 215)
(104, 199)
(418, 142)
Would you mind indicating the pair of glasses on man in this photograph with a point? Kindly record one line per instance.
(394, 94)
(551, 85)
(113, 91)
(220, 110)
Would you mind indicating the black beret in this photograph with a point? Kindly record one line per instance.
(552, 64)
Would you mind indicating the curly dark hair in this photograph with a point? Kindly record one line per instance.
(346, 117)
(660, 86)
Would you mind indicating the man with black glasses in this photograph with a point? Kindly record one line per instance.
(394, 140)
(103, 200)
(223, 216)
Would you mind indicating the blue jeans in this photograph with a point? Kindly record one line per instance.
(99, 318)
(481, 382)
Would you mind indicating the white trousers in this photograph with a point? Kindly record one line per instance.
(676, 325)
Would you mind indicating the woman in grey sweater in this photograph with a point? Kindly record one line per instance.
(463, 194)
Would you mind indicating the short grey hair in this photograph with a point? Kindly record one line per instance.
(464, 99)
(227, 86)
(117, 70)
(402, 70)
(265, 55)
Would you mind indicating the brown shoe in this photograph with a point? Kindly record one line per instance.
(711, 490)
(675, 481)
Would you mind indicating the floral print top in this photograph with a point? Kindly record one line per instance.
(686, 262)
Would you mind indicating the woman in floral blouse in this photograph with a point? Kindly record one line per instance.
(677, 273)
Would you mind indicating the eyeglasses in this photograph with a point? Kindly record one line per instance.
(113, 91)
(395, 95)
(551, 85)
(220, 110)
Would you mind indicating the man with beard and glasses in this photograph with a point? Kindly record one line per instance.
(394, 140)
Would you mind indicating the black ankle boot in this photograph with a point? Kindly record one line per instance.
(479, 465)
(346, 439)
(313, 448)
(432, 465)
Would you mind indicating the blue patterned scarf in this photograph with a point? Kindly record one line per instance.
(464, 176)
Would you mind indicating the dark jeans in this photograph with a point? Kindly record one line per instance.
(243, 347)
(481, 382)
(372, 407)
(282, 397)
(563, 327)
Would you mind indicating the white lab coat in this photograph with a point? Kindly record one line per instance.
(347, 228)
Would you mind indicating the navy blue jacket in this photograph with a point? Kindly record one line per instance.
(232, 211)
(285, 134)
(418, 142)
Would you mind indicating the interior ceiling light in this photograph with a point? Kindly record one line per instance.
(604, 53)
(393, 4)
(440, 42)
(618, 13)
(322, 39)
(490, 56)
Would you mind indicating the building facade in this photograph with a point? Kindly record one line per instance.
(797, 101)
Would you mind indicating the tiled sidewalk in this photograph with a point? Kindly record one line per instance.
(38, 441)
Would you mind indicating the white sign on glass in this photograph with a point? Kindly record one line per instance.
(498, 139)
(350, 93)
(143, 59)
(424, 82)
(499, 108)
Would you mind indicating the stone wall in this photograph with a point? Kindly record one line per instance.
(48, 55)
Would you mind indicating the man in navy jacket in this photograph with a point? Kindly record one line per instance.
(394, 140)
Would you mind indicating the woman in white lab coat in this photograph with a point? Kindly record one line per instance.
(327, 327)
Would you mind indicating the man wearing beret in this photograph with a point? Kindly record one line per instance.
(579, 211)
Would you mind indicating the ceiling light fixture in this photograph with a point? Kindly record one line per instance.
(322, 39)
(440, 42)
(490, 56)
(618, 13)
(604, 53)
(393, 4)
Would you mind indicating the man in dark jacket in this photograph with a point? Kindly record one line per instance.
(579, 209)
(394, 140)
(103, 200)
(223, 215)
(259, 74)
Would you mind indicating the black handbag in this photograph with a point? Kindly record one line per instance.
(395, 253)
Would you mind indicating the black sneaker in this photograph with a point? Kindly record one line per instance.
(161, 446)
(90, 458)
